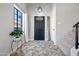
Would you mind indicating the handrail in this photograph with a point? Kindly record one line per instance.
(76, 35)
(76, 24)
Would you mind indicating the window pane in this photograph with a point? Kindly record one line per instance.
(15, 11)
(15, 21)
(15, 24)
(19, 24)
(19, 20)
(15, 17)
(19, 28)
(19, 13)
(19, 16)
(15, 28)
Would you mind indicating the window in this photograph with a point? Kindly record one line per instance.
(17, 19)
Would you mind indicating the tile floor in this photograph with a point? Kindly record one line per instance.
(39, 48)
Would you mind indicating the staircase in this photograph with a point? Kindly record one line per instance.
(67, 42)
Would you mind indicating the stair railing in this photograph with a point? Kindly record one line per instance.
(76, 35)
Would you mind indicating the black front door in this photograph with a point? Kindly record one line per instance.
(39, 28)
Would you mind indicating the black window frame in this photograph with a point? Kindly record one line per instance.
(17, 19)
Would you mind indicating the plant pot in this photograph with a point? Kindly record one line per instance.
(17, 39)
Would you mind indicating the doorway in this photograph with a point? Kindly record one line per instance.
(39, 27)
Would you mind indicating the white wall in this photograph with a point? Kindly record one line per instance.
(31, 10)
(6, 26)
(66, 15)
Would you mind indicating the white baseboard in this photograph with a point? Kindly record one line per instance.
(74, 52)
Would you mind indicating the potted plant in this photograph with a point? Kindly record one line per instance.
(16, 33)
